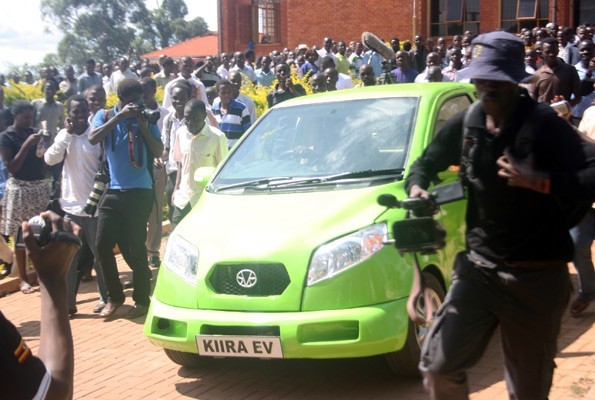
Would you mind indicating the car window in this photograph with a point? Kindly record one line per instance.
(323, 139)
(450, 108)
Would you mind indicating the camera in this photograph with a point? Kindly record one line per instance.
(420, 232)
(99, 184)
(561, 106)
(41, 232)
(152, 116)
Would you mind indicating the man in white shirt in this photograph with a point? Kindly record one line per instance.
(81, 159)
(122, 73)
(344, 81)
(241, 66)
(197, 145)
(265, 75)
(223, 69)
(432, 60)
(326, 51)
(186, 72)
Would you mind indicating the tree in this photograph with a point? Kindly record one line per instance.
(99, 28)
(106, 29)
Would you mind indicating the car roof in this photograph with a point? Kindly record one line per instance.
(382, 91)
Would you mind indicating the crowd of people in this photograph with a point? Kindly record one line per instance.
(108, 170)
(561, 59)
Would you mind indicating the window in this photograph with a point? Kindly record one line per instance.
(453, 17)
(449, 108)
(267, 15)
(519, 14)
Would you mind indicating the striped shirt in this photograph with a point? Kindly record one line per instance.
(235, 121)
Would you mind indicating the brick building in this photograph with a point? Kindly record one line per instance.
(274, 24)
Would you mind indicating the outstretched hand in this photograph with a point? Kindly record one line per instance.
(53, 260)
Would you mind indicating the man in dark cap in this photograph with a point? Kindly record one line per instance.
(518, 160)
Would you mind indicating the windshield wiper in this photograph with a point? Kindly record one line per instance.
(338, 177)
(285, 181)
(254, 183)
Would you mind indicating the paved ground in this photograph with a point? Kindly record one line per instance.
(114, 361)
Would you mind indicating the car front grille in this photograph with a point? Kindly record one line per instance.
(271, 279)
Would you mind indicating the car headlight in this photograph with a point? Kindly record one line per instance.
(181, 258)
(343, 253)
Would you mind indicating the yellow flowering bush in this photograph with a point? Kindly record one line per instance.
(21, 92)
(259, 93)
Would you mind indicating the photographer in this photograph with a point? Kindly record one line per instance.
(80, 158)
(130, 144)
(50, 375)
(285, 88)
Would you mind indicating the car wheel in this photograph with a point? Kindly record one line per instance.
(190, 360)
(405, 362)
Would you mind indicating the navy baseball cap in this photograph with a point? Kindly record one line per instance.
(497, 56)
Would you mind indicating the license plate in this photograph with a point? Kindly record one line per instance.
(239, 346)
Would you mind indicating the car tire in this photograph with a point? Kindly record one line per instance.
(405, 362)
(189, 360)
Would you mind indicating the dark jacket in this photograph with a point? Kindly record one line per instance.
(506, 223)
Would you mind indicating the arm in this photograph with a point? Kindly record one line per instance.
(443, 151)
(153, 143)
(99, 132)
(576, 89)
(57, 151)
(199, 70)
(51, 263)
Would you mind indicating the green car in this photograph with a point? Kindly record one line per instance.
(287, 253)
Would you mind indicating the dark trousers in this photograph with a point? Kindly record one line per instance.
(169, 190)
(527, 303)
(56, 171)
(122, 219)
(179, 214)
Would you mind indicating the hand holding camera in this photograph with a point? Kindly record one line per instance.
(51, 243)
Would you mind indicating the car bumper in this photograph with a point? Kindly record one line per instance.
(357, 332)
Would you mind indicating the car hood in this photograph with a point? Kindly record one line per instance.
(277, 228)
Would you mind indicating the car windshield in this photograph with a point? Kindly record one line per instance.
(308, 143)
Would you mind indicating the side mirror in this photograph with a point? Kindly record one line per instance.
(203, 174)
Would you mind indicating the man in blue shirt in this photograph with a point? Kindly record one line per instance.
(130, 143)
(404, 73)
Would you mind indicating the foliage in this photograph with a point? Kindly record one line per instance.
(259, 93)
(19, 91)
(82, 21)
(106, 29)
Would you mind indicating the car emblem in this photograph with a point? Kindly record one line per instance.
(246, 278)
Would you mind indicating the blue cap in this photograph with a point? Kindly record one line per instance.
(497, 56)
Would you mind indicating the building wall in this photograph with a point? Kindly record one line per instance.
(332, 18)
(308, 22)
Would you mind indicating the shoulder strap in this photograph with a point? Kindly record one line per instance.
(468, 140)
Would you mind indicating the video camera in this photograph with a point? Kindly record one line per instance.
(422, 233)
